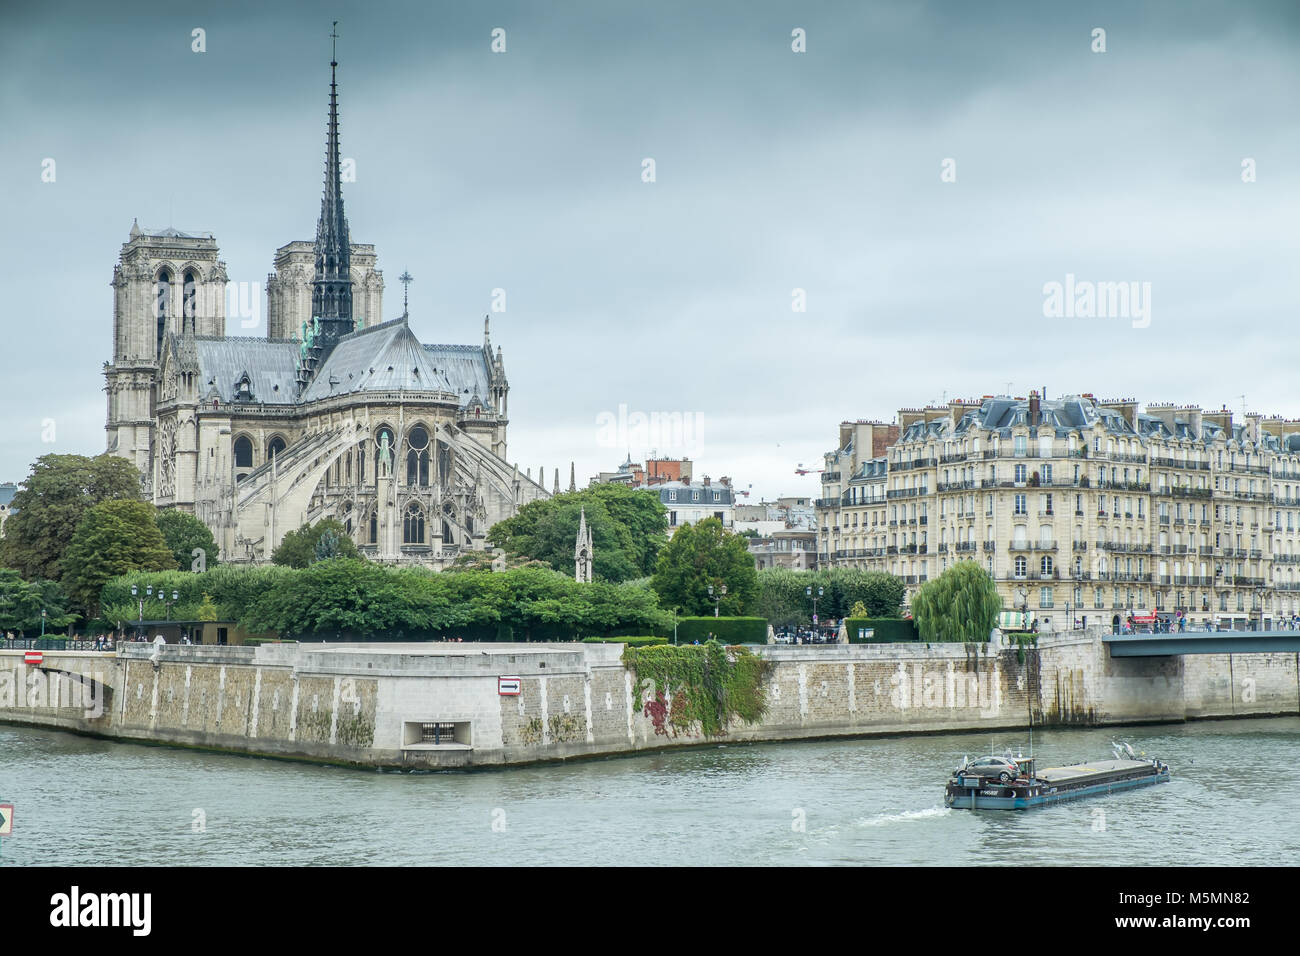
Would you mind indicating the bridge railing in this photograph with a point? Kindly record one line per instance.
(47, 644)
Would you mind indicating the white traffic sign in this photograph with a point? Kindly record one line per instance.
(6, 819)
(510, 686)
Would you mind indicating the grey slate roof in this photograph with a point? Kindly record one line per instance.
(385, 357)
(388, 357)
(271, 368)
(463, 368)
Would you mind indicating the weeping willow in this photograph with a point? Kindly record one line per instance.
(960, 605)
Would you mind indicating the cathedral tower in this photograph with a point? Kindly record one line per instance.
(165, 282)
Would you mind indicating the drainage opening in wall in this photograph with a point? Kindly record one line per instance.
(426, 734)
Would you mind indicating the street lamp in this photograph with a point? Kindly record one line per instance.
(148, 592)
(717, 598)
(815, 598)
(42, 622)
(167, 605)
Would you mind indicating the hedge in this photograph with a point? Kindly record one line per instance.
(887, 630)
(632, 641)
(727, 630)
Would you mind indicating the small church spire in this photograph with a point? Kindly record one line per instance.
(583, 551)
(573, 484)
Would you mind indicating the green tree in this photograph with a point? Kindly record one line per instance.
(184, 533)
(299, 548)
(21, 603)
(628, 528)
(111, 539)
(962, 604)
(783, 594)
(701, 555)
(51, 503)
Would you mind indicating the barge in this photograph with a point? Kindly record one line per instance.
(970, 788)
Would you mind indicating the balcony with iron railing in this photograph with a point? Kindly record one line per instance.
(1183, 491)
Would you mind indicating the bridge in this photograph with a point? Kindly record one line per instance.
(1203, 642)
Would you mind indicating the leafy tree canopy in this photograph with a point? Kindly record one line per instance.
(701, 555)
(51, 503)
(962, 604)
(111, 539)
(323, 540)
(183, 533)
(21, 603)
(628, 528)
(783, 594)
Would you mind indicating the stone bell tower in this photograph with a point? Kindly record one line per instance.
(166, 282)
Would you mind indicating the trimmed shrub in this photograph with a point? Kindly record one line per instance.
(629, 641)
(727, 630)
(887, 630)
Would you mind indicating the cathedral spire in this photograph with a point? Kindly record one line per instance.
(331, 288)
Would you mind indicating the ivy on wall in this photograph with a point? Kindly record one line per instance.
(698, 689)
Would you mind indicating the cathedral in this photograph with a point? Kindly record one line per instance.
(335, 414)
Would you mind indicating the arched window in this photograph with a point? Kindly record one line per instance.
(1021, 566)
(243, 452)
(1046, 566)
(162, 293)
(189, 294)
(347, 517)
(374, 527)
(413, 525)
(275, 447)
(417, 457)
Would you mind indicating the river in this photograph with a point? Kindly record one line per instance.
(1234, 800)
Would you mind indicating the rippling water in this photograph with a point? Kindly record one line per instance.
(1234, 800)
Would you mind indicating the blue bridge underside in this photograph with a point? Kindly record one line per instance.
(1211, 642)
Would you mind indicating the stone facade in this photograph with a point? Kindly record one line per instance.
(441, 705)
(1078, 503)
(334, 414)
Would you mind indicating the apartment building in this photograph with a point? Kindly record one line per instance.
(1081, 509)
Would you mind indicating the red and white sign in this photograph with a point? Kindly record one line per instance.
(510, 686)
(33, 657)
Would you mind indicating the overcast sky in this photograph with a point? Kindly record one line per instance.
(774, 171)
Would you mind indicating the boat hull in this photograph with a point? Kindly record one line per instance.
(1086, 780)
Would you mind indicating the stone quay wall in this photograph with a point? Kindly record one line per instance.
(440, 705)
